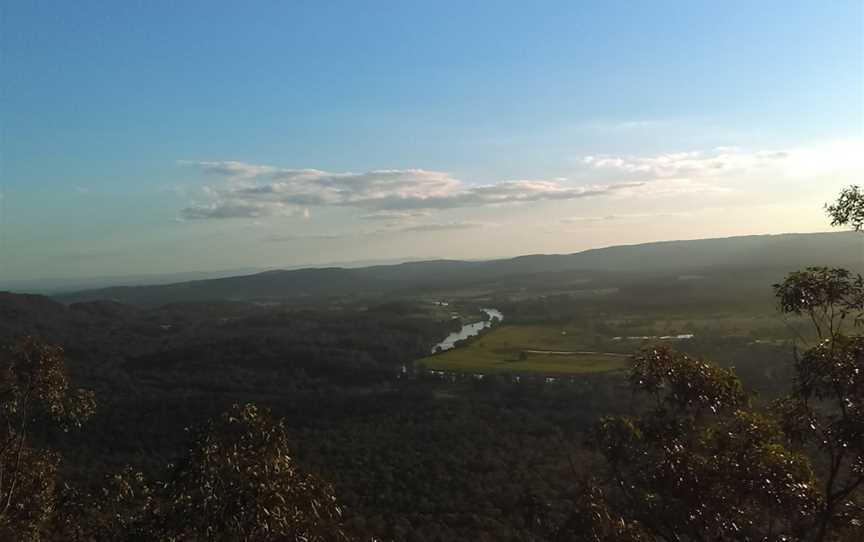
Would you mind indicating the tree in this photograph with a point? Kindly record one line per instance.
(826, 296)
(34, 395)
(701, 464)
(127, 507)
(240, 482)
(594, 521)
(848, 210)
(237, 482)
(824, 413)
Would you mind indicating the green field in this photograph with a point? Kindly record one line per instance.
(525, 349)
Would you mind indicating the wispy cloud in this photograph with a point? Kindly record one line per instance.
(389, 229)
(405, 196)
(620, 217)
(394, 215)
(583, 219)
(237, 209)
(717, 161)
(445, 226)
(270, 191)
(231, 168)
(289, 237)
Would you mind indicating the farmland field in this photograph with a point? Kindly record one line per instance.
(525, 349)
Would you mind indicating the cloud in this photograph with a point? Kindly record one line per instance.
(264, 190)
(245, 190)
(235, 209)
(387, 230)
(659, 188)
(289, 237)
(836, 159)
(231, 168)
(620, 217)
(717, 161)
(444, 226)
(581, 219)
(394, 215)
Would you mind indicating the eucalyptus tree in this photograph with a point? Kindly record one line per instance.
(35, 395)
(701, 463)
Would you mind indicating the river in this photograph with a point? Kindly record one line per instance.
(468, 330)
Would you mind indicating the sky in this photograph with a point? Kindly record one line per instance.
(160, 137)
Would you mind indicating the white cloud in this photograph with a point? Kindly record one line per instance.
(404, 196)
(837, 158)
(231, 168)
(265, 190)
(660, 188)
(716, 162)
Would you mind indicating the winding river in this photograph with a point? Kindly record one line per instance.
(468, 330)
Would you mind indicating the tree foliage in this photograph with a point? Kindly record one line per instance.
(826, 296)
(703, 465)
(34, 395)
(824, 415)
(240, 482)
(848, 210)
(700, 464)
(125, 507)
(593, 520)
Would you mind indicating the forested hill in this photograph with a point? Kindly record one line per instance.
(762, 252)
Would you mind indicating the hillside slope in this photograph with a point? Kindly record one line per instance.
(780, 252)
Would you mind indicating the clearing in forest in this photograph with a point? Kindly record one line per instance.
(525, 349)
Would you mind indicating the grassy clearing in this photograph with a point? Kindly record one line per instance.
(518, 349)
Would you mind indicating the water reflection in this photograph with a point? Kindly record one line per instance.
(469, 330)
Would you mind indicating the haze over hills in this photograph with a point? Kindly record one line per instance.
(57, 286)
(60, 285)
(768, 253)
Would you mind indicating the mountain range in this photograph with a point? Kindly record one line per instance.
(785, 252)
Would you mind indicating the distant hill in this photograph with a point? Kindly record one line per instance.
(759, 252)
(49, 286)
(29, 314)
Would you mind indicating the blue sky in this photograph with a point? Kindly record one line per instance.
(160, 137)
